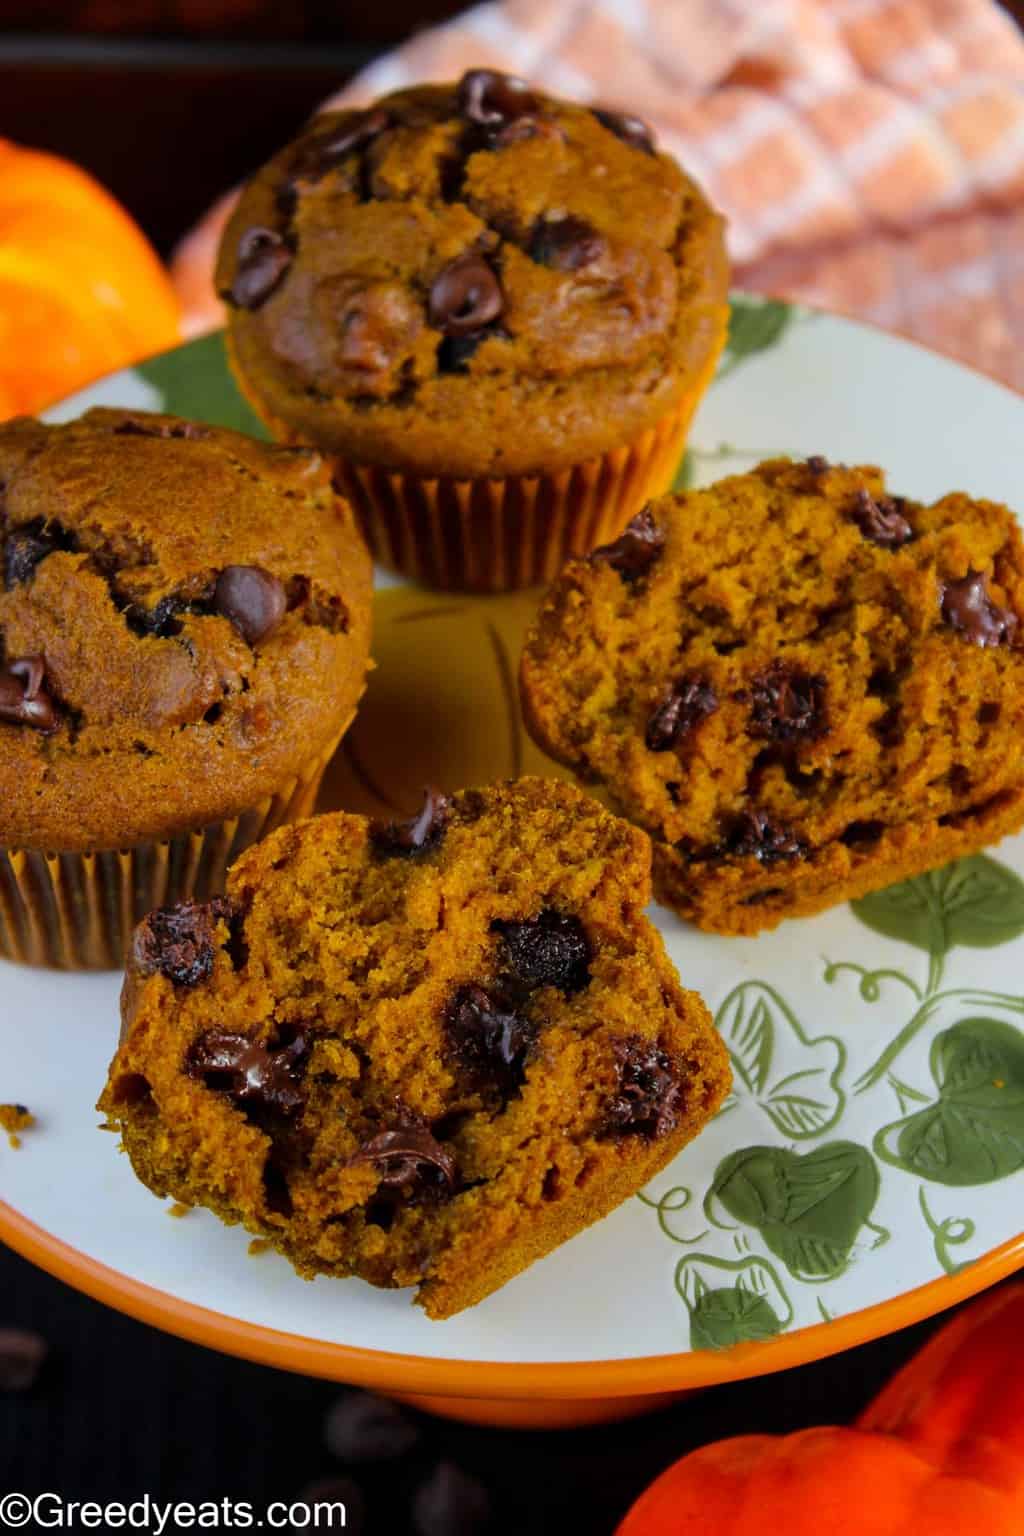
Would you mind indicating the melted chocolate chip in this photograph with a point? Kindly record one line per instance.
(565, 244)
(489, 1036)
(23, 696)
(631, 130)
(254, 1075)
(967, 607)
(688, 701)
(420, 833)
(27, 546)
(178, 941)
(263, 259)
(647, 1101)
(490, 99)
(254, 601)
(162, 621)
(465, 297)
(455, 351)
(881, 521)
(636, 548)
(754, 837)
(411, 1163)
(817, 464)
(787, 704)
(321, 153)
(550, 950)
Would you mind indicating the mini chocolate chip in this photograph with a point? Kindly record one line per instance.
(360, 1427)
(688, 701)
(636, 548)
(27, 546)
(23, 696)
(565, 244)
(410, 1161)
(253, 1074)
(787, 704)
(464, 297)
(489, 1036)
(263, 259)
(455, 351)
(967, 606)
(631, 130)
(451, 1503)
(549, 950)
(322, 152)
(420, 833)
(647, 1100)
(753, 836)
(178, 941)
(881, 521)
(254, 601)
(22, 1354)
(490, 99)
(817, 464)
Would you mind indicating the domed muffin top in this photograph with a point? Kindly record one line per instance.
(184, 625)
(470, 279)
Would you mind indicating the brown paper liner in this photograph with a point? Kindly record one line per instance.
(76, 911)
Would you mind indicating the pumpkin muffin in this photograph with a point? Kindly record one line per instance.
(184, 630)
(496, 310)
(425, 1052)
(804, 688)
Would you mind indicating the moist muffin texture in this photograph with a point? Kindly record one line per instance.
(472, 280)
(802, 687)
(184, 622)
(423, 1053)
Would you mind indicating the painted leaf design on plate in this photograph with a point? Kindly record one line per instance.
(795, 1079)
(731, 1301)
(976, 901)
(755, 325)
(974, 1132)
(195, 381)
(809, 1209)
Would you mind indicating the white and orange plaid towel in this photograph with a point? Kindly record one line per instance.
(869, 154)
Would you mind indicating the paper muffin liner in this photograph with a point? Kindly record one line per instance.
(76, 911)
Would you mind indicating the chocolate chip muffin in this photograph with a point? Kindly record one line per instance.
(496, 310)
(803, 687)
(424, 1053)
(184, 628)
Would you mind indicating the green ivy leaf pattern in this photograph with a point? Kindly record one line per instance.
(974, 1132)
(196, 382)
(755, 325)
(801, 1103)
(809, 1209)
(977, 902)
(752, 1308)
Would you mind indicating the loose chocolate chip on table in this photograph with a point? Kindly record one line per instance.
(337, 1490)
(967, 606)
(263, 259)
(565, 244)
(464, 297)
(22, 1354)
(632, 130)
(252, 1073)
(23, 696)
(322, 152)
(636, 548)
(451, 1503)
(410, 1161)
(178, 941)
(688, 701)
(880, 520)
(754, 836)
(360, 1427)
(648, 1096)
(421, 833)
(550, 950)
(489, 1035)
(254, 601)
(490, 99)
(787, 704)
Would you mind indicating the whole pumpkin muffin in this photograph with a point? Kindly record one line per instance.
(424, 1053)
(804, 688)
(497, 311)
(184, 633)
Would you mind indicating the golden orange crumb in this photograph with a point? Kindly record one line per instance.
(15, 1118)
(178, 1210)
(257, 1246)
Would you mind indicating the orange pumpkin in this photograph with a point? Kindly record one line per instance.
(81, 290)
(939, 1453)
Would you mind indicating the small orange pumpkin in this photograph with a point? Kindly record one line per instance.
(81, 290)
(940, 1452)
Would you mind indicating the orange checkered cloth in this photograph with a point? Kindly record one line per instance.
(869, 154)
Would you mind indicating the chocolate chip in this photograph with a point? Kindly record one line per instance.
(23, 696)
(488, 1035)
(565, 244)
(861, 832)
(688, 701)
(322, 152)
(25, 547)
(817, 464)
(522, 128)
(464, 297)
(787, 704)
(263, 259)
(253, 1074)
(254, 601)
(648, 1097)
(178, 941)
(451, 1503)
(550, 950)
(455, 351)
(418, 835)
(22, 1354)
(635, 550)
(881, 521)
(162, 621)
(753, 836)
(490, 99)
(360, 1427)
(967, 606)
(189, 431)
(631, 130)
(410, 1161)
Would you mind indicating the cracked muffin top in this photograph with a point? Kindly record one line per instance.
(471, 279)
(184, 625)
